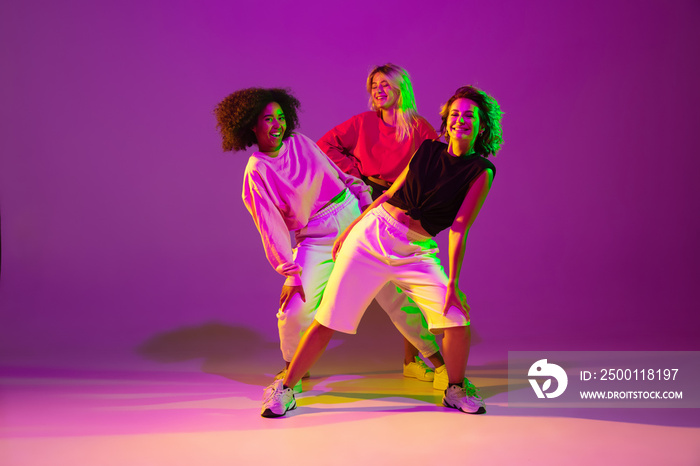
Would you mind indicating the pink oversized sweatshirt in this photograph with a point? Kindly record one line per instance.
(282, 193)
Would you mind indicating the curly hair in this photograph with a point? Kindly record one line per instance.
(238, 113)
(406, 111)
(490, 114)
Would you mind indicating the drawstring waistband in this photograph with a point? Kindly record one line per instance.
(403, 229)
(334, 205)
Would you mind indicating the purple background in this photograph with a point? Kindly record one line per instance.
(122, 219)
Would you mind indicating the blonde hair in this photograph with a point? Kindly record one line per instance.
(406, 112)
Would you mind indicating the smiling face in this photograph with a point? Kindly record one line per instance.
(270, 128)
(384, 96)
(463, 124)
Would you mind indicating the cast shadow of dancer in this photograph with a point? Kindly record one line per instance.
(225, 350)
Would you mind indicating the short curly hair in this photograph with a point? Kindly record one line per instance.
(238, 113)
(488, 142)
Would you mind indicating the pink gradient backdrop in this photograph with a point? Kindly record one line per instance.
(122, 219)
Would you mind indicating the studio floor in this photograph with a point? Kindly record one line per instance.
(353, 411)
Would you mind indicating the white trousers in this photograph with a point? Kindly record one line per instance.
(379, 249)
(313, 254)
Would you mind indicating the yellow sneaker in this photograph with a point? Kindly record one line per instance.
(418, 370)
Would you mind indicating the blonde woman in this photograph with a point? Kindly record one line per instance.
(376, 146)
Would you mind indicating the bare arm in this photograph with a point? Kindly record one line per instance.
(458, 237)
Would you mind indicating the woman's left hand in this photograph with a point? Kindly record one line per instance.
(455, 297)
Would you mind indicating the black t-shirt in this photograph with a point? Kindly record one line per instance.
(436, 185)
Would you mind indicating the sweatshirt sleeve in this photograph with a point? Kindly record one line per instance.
(362, 192)
(271, 226)
(338, 144)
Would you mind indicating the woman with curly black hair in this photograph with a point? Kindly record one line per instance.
(444, 186)
(291, 185)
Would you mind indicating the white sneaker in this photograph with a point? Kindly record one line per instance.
(418, 370)
(278, 400)
(473, 392)
(282, 374)
(457, 397)
(441, 382)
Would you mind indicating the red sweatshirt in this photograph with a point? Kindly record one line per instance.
(366, 146)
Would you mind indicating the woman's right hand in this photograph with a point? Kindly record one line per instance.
(287, 293)
(455, 297)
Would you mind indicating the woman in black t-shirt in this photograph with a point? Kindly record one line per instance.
(444, 186)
